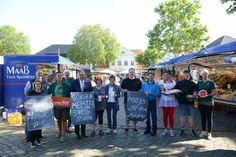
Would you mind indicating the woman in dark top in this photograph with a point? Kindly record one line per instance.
(36, 134)
(206, 103)
(100, 104)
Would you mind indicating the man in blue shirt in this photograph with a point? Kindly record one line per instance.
(152, 90)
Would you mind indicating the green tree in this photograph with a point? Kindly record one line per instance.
(94, 45)
(148, 57)
(13, 42)
(178, 29)
(232, 7)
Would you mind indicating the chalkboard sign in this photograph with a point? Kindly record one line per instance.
(137, 106)
(83, 108)
(39, 112)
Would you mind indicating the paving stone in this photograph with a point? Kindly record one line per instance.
(12, 141)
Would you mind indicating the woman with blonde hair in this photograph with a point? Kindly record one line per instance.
(207, 90)
(168, 102)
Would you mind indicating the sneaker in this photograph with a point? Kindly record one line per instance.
(114, 131)
(126, 130)
(182, 133)
(209, 136)
(32, 145)
(203, 134)
(172, 133)
(39, 142)
(62, 139)
(193, 133)
(164, 133)
(108, 131)
(101, 133)
(135, 130)
(92, 134)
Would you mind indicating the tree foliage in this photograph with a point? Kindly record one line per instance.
(94, 45)
(148, 57)
(13, 42)
(178, 29)
(232, 6)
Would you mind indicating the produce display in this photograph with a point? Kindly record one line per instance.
(224, 77)
(226, 84)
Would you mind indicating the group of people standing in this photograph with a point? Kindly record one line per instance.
(107, 98)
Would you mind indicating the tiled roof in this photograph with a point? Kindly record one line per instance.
(222, 40)
(136, 51)
(55, 49)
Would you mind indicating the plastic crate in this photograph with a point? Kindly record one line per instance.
(15, 118)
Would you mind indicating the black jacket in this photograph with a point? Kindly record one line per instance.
(75, 86)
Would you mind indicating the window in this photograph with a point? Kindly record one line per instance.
(132, 63)
(126, 63)
(113, 63)
(119, 62)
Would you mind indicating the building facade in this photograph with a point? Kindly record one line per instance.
(125, 61)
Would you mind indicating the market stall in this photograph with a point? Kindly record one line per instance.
(223, 73)
(221, 60)
(18, 69)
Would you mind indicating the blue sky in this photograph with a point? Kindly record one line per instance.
(47, 22)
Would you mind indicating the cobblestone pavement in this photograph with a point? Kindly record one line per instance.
(223, 144)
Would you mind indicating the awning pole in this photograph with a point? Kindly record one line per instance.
(58, 68)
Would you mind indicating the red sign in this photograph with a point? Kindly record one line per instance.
(61, 101)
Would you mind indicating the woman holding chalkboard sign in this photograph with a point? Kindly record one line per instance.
(113, 93)
(35, 134)
(62, 114)
(100, 104)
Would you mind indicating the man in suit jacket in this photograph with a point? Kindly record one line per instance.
(81, 85)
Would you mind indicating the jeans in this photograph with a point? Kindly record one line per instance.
(112, 107)
(152, 109)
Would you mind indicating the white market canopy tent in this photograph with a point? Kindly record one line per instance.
(107, 71)
(126, 71)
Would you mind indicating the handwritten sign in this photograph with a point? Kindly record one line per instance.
(137, 106)
(61, 101)
(83, 108)
(39, 112)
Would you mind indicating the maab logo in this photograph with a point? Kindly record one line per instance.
(18, 69)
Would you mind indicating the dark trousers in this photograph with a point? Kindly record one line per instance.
(77, 129)
(99, 115)
(69, 123)
(206, 115)
(36, 134)
(152, 109)
(112, 107)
